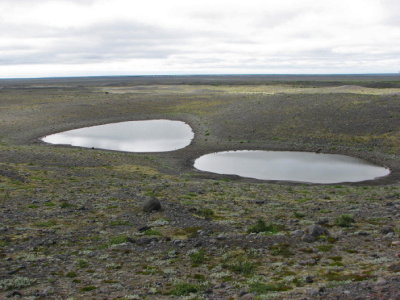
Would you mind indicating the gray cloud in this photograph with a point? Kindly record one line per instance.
(275, 36)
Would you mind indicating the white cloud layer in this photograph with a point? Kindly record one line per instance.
(124, 37)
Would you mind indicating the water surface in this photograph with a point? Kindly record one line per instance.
(290, 166)
(131, 136)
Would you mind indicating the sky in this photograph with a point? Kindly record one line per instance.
(46, 38)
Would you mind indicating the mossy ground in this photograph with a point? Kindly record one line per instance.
(71, 218)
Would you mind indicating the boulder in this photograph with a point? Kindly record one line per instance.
(152, 204)
(317, 230)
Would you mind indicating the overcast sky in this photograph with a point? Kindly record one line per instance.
(40, 38)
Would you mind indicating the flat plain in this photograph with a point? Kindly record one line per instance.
(72, 223)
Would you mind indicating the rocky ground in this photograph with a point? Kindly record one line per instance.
(73, 223)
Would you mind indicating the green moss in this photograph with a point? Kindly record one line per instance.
(242, 267)
(152, 232)
(263, 288)
(281, 250)
(119, 223)
(71, 274)
(207, 213)
(337, 276)
(119, 239)
(88, 288)
(184, 289)
(344, 221)
(199, 277)
(298, 215)
(65, 204)
(81, 263)
(325, 247)
(49, 223)
(261, 226)
(198, 257)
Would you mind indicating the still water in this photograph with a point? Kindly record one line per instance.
(131, 136)
(290, 166)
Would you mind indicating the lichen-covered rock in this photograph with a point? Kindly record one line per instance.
(317, 230)
(152, 204)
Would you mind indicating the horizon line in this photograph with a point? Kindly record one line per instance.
(205, 74)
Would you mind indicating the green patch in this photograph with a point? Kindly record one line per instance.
(261, 226)
(71, 274)
(65, 204)
(184, 289)
(298, 215)
(82, 263)
(206, 213)
(88, 288)
(152, 232)
(242, 267)
(337, 276)
(281, 250)
(45, 224)
(344, 221)
(264, 288)
(198, 257)
(119, 239)
(199, 277)
(49, 204)
(325, 247)
(119, 223)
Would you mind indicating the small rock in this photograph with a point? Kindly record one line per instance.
(260, 202)
(362, 233)
(308, 238)
(221, 237)
(394, 268)
(308, 262)
(317, 230)
(242, 293)
(179, 243)
(144, 228)
(309, 279)
(14, 294)
(396, 243)
(381, 281)
(387, 229)
(208, 291)
(389, 235)
(152, 205)
(297, 233)
(323, 221)
(145, 240)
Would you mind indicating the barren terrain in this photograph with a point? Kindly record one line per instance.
(72, 223)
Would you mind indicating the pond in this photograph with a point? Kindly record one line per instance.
(131, 136)
(290, 166)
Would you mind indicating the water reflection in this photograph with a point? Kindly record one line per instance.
(132, 136)
(290, 166)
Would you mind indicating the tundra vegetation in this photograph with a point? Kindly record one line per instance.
(73, 223)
